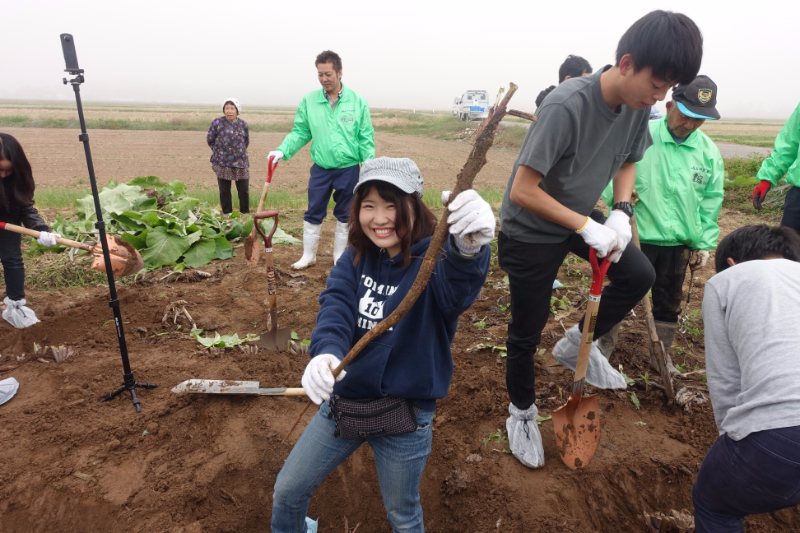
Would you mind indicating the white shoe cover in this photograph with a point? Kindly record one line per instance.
(310, 245)
(524, 438)
(600, 373)
(17, 314)
(311, 525)
(340, 237)
(8, 388)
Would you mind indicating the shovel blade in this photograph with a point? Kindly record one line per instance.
(125, 259)
(215, 386)
(276, 340)
(577, 428)
(252, 249)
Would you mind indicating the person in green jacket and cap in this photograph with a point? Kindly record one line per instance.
(783, 161)
(680, 186)
(336, 120)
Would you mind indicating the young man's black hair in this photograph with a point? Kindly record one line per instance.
(669, 43)
(760, 241)
(574, 67)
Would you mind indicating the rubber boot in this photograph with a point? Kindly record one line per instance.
(310, 245)
(666, 334)
(340, 240)
(608, 341)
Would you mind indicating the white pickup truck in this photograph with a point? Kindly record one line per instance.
(472, 105)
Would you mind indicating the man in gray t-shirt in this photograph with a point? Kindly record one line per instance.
(752, 345)
(588, 131)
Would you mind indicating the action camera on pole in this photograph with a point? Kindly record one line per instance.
(128, 382)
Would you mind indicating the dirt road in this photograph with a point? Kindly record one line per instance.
(58, 158)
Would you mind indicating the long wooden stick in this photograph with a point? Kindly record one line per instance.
(475, 162)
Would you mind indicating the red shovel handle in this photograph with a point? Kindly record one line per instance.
(598, 272)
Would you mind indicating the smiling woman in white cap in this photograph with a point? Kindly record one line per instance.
(229, 137)
(388, 394)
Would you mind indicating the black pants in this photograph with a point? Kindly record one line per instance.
(791, 209)
(670, 263)
(242, 188)
(758, 474)
(13, 267)
(531, 269)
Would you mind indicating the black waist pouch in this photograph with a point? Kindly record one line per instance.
(370, 418)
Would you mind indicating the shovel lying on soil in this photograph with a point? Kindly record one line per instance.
(274, 339)
(125, 259)
(222, 386)
(251, 249)
(577, 423)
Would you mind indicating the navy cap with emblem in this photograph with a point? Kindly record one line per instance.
(697, 99)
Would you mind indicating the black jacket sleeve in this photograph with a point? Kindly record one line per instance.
(31, 219)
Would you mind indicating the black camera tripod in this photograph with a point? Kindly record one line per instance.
(128, 382)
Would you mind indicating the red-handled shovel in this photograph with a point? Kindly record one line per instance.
(577, 423)
(274, 339)
(251, 249)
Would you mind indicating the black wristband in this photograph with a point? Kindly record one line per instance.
(625, 207)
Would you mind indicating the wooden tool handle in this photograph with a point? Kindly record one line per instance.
(283, 392)
(35, 234)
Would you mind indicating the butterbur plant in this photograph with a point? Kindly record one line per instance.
(61, 353)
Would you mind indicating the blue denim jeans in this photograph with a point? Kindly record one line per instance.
(791, 209)
(758, 474)
(340, 181)
(400, 460)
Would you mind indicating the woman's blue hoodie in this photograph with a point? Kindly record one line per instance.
(411, 360)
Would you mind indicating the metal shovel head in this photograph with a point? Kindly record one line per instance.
(577, 428)
(125, 259)
(222, 386)
(252, 248)
(276, 340)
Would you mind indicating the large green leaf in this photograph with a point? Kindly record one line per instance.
(147, 182)
(138, 241)
(194, 237)
(116, 199)
(175, 188)
(152, 219)
(235, 232)
(223, 249)
(163, 247)
(200, 254)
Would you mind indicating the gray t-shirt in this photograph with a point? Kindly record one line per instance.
(578, 144)
(753, 346)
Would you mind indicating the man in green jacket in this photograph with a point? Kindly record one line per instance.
(336, 120)
(679, 182)
(784, 161)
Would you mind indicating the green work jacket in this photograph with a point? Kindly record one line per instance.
(340, 138)
(680, 190)
(785, 158)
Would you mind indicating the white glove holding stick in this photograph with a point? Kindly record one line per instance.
(318, 380)
(602, 238)
(698, 259)
(472, 220)
(621, 223)
(47, 239)
(275, 156)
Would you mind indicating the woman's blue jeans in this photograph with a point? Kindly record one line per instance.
(758, 474)
(400, 460)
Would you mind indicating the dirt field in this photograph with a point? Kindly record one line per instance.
(58, 158)
(208, 464)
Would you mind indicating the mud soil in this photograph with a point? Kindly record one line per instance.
(194, 463)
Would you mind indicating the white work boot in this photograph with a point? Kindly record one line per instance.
(310, 245)
(340, 239)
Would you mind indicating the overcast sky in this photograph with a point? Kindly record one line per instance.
(409, 54)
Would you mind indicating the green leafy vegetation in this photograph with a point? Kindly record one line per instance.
(221, 341)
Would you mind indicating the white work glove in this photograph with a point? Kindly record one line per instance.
(318, 380)
(17, 314)
(524, 438)
(276, 156)
(621, 223)
(698, 259)
(472, 220)
(47, 239)
(602, 238)
(600, 373)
